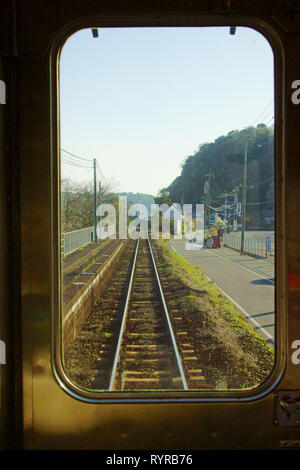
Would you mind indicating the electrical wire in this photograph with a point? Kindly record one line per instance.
(69, 158)
(266, 116)
(262, 113)
(258, 203)
(271, 120)
(259, 184)
(216, 209)
(77, 156)
(67, 162)
(101, 172)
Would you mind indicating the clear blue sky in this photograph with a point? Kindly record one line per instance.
(140, 100)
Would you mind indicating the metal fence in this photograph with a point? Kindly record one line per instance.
(251, 245)
(70, 241)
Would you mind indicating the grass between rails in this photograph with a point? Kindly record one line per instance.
(234, 354)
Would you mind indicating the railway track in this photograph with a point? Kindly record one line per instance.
(146, 355)
(131, 342)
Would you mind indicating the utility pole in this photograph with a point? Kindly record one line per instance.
(225, 214)
(234, 223)
(244, 196)
(209, 176)
(95, 201)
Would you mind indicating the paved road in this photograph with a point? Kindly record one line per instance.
(246, 281)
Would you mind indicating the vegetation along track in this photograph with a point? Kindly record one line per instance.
(129, 341)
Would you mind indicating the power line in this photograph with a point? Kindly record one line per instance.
(233, 191)
(215, 201)
(101, 173)
(98, 173)
(71, 159)
(258, 203)
(216, 209)
(77, 156)
(81, 162)
(262, 182)
(75, 164)
(261, 114)
(67, 159)
(268, 114)
(228, 194)
(67, 162)
(272, 119)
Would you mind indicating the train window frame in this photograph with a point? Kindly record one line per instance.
(168, 396)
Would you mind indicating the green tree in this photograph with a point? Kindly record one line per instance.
(219, 224)
(77, 203)
(163, 197)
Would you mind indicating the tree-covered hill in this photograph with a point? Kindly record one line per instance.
(139, 198)
(224, 159)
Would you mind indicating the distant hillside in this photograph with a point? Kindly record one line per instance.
(139, 198)
(223, 158)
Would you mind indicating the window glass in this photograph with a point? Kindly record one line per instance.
(167, 209)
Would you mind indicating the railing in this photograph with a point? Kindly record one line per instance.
(252, 245)
(70, 241)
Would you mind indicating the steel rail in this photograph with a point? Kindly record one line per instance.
(178, 358)
(174, 344)
(116, 359)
